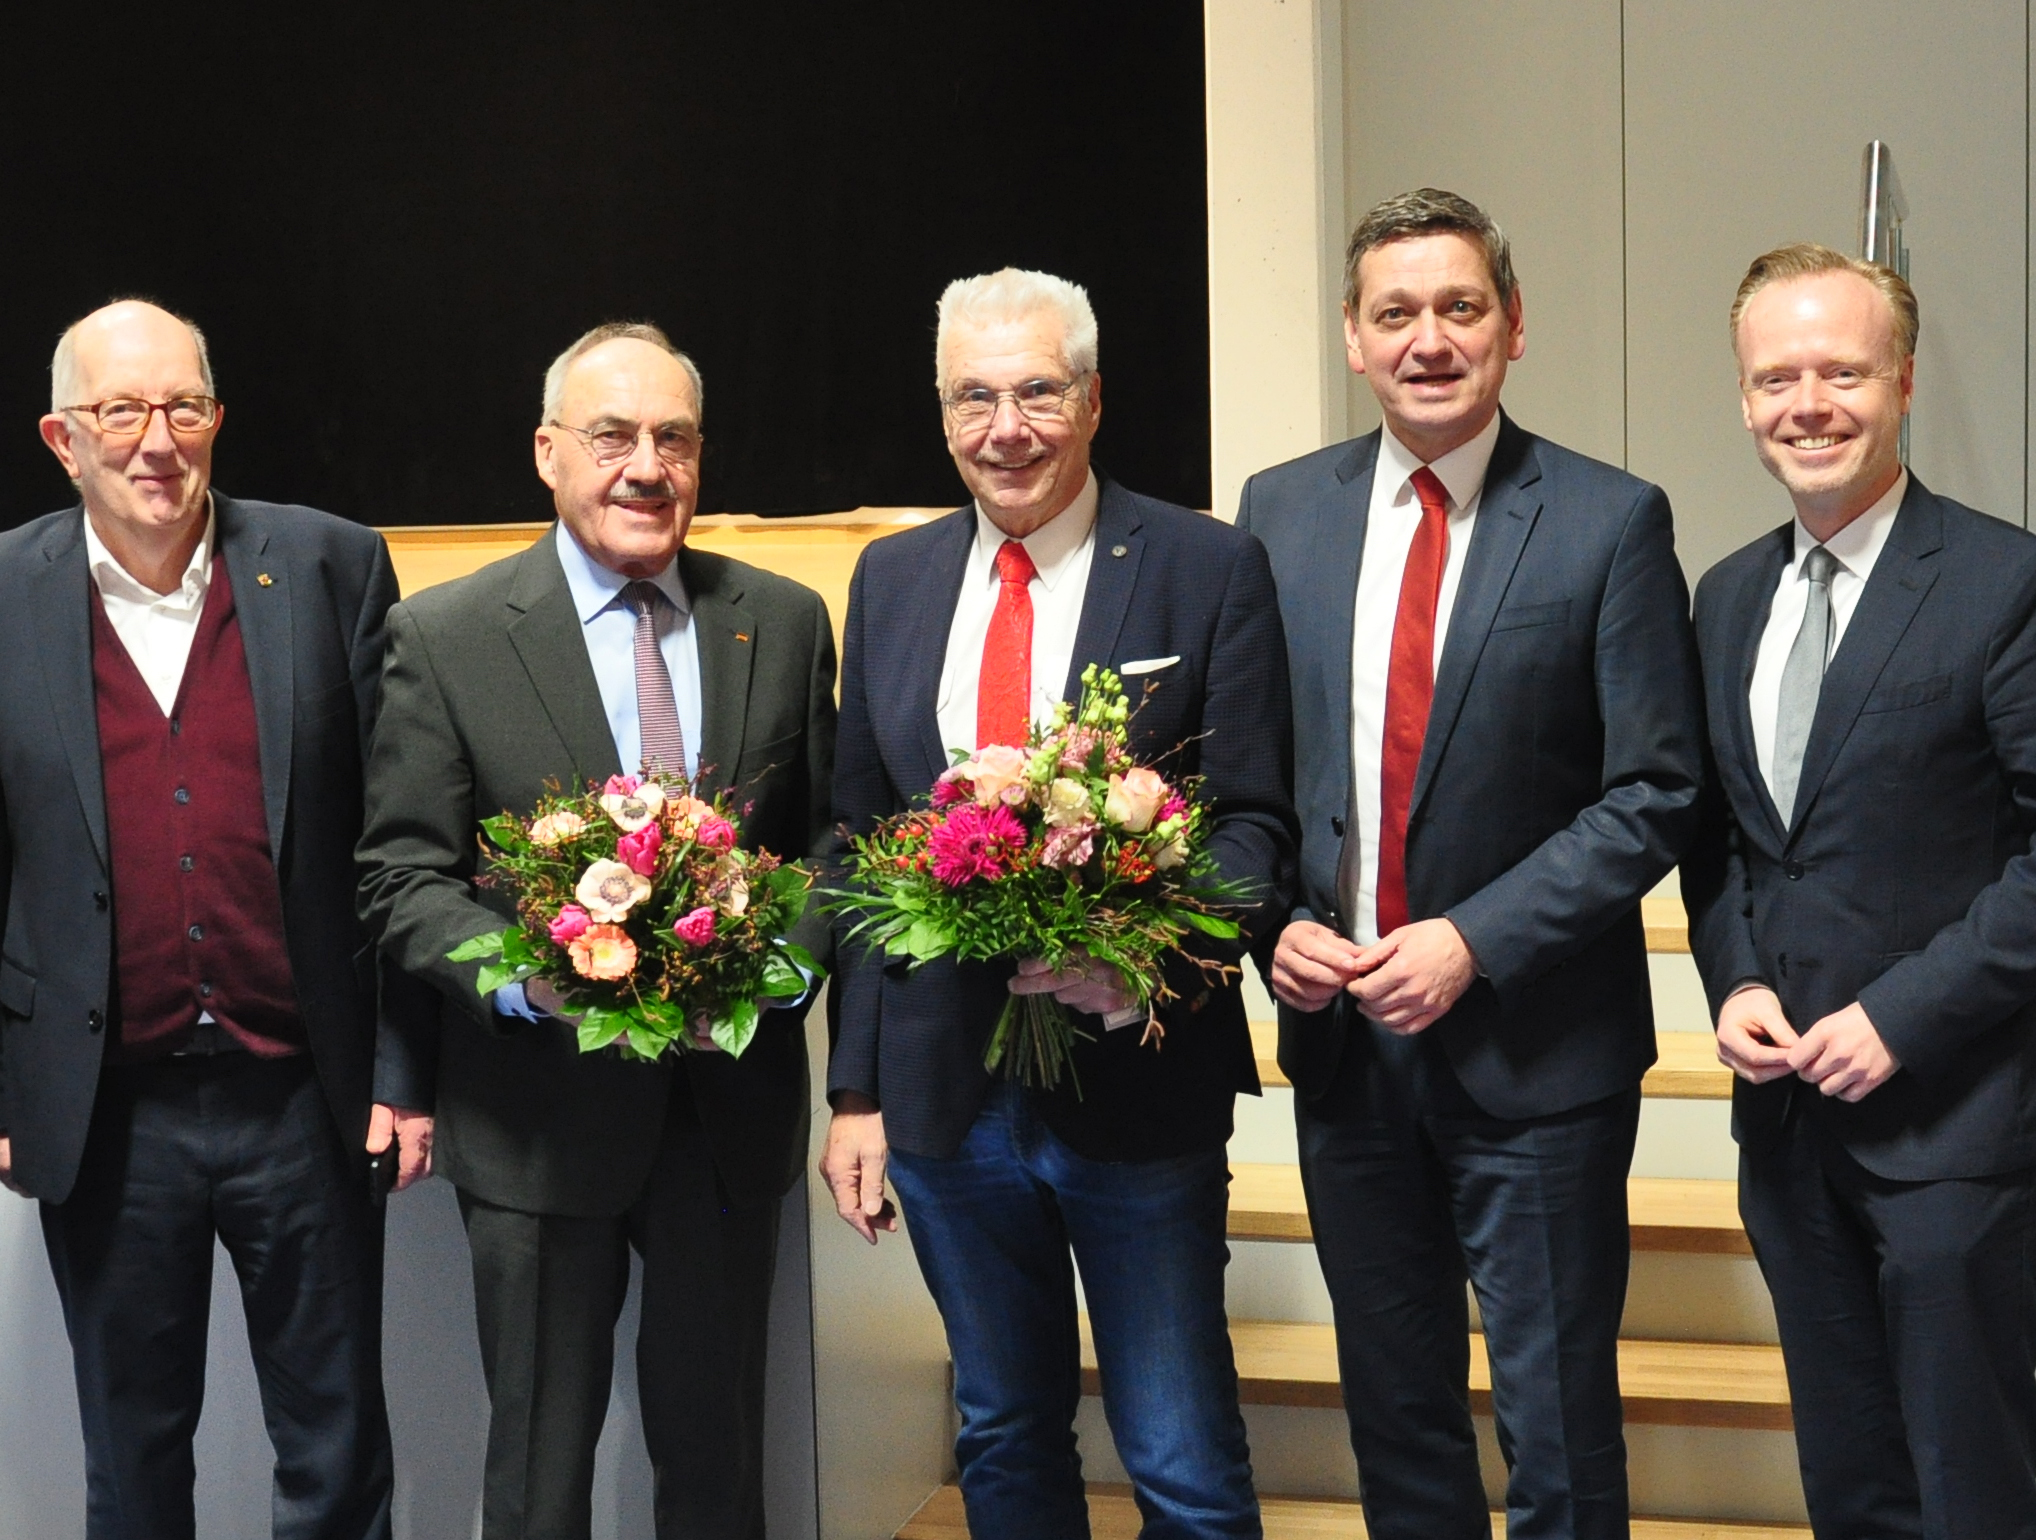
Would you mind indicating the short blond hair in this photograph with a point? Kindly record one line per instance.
(1806, 259)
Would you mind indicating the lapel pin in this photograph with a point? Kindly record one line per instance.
(742, 636)
(1117, 550)
(265, 580)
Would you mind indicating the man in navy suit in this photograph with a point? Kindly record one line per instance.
(1863, 909)
(962, 633)
(1497, 753)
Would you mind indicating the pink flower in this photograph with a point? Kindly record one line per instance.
(1075, 751)
(696, 928)
(1069, 847)
(1134, 797)
(622, 786)
(716, 833)
(951, 788)
(571, 924)
(1176, 807)
(638, 851)
(604, 952)
(975, 842)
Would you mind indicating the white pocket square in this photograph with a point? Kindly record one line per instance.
(1147, 665)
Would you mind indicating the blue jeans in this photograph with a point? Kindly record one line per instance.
(993, 1228)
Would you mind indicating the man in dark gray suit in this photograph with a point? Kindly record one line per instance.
(187, 1001)
(1863, 909)
(1496, 754)
(606, 644)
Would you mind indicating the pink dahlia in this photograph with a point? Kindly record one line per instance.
(638, 851)
(695, 928)
(622, 786)
(571, 924)
(952, 788)
(974, 842)
(716, 833)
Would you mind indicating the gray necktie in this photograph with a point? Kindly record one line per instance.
(1802, 679)
(657, 709)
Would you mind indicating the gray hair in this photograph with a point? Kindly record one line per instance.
(63, 365)
(1013, 294)
(1430, 211)
(636, 331)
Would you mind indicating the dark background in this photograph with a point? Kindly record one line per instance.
(388, 221)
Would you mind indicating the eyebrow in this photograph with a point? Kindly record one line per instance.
(610, 420)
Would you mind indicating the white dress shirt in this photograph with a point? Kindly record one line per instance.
(1390, 526)
(1856, 548)
(609, 626)
(1061, 550)
(156, 629)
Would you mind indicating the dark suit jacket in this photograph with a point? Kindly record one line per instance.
(1558, 781)
(1906, 881)
(313, 634)
(488, 695)
(1164, 582)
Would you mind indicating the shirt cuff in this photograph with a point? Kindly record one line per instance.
(511, 1000)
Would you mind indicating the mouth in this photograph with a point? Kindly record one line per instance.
(1812, 442)
(1434, 380)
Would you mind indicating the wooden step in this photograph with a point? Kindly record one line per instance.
(1113, 1516)
(1680, 1384)
(1666, 1213)
(1686, 1065)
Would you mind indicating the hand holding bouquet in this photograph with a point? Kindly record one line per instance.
(638, 906)
(1063, 853)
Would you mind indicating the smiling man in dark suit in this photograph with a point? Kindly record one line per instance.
(187, 1002)
(1497, 753)
(964, 633)
(1863, 910)
(608, 644)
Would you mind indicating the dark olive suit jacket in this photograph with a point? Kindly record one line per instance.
(488, 695)
(311, 593)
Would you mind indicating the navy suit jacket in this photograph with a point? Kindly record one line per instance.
(1165, 582)
(1558, 781)
(1905, 881)
(313, 633)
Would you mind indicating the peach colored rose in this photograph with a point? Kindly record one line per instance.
(557, 828)
(631, 810)
(685, 813)
(995, 768)
(1067, 804)
(603, 952)
(1134, 797)
(609, 890)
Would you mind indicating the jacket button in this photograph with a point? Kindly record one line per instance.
(196, 933)
(94, 1021)
(99, 902)
(1793, 870)
(183, 794)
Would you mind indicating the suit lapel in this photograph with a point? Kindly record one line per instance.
(261, 606)
(63, 600)
(544, 628)
(1901, 579)
(926, 640)
(725, 634)
(1746, 623)
(1113, 574)
(1330, 591)
(1507, 511)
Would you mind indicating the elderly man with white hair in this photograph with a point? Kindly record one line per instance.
(961, 633)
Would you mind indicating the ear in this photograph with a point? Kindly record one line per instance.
(1353, 352)
(1095, 403)
(1908, 382)
(1516, 321)
(55, 428)
(1745, 407)
(545, 450)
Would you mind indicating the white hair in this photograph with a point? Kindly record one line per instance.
(1013, 294)
(637, 331)
(64, 384)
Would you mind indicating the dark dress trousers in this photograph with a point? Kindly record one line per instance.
(1895, 1232)
(997, 1181)
(1557, 783)
(139, 1164)
(564, 1161)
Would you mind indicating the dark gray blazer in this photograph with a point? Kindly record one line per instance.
(1558, 781)
(488, 695)
(1905, 881)
(313, 634)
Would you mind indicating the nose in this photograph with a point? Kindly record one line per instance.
(1809, 397)
(156, 437)
(1429, 336)
(643, 465)
(1006, 421)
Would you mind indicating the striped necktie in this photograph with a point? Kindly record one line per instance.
(657, 709)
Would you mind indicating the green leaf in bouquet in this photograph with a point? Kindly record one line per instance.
(518, 948)
(1210, 924)
(481, 947)
(781, 981)
(601, 1026)
(505, 833)
(924, 941)
(497, 975)
(799, 957)
(732, 1034)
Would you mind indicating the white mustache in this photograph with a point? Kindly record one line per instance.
(642, 491)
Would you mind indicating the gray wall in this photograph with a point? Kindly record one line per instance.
(1641, 152)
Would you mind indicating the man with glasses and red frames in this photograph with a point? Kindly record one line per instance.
(188, 1004)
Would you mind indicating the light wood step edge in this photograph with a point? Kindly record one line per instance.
(1113, 1516)
(1677, 1214)
(1678, 1384)
(1686, 1067)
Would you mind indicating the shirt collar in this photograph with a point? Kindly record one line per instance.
(109, 575)
(1461, 471)
(596, 588)
(1053, 545)
(1858, 546)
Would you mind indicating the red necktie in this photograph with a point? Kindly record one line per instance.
(1004, 692)
(1410, 690)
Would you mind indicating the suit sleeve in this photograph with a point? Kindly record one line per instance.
(1978, 970)
(1581, 879)
(814, 931)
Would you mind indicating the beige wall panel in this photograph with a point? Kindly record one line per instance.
(1745, 124)
(1515, 105)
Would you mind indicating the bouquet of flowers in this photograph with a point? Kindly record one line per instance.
(1063, 850)
(637, 905)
